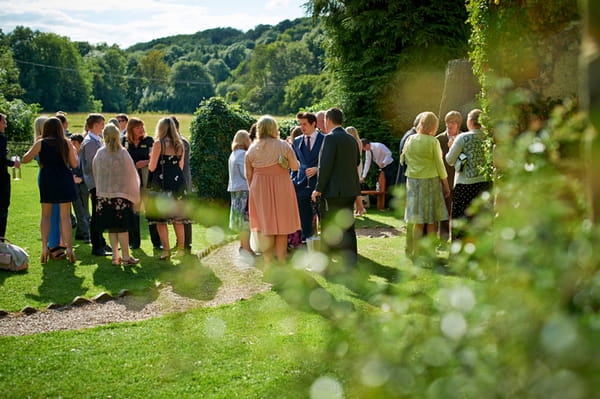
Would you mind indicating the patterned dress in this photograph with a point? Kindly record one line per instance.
(168, 188)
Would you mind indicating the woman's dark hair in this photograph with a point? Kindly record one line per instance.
(252, 132)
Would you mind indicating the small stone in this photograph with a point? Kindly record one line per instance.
(29, 310)
(3, 313)
(54, 305)
(124, 292)
(102, 297)
(79, 300)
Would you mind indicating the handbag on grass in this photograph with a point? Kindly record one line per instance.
(12, 257)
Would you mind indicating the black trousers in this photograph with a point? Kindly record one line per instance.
(306, 211)
(4, 204)
(346, 247)
(96, 237)
(154, 237)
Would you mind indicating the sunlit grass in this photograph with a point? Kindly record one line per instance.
(60, 282)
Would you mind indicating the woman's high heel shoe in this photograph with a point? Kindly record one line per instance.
(44, 256)
(71, 256)
(57, 253)
(129, 262)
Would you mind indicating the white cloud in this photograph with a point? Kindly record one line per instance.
(272, 4)
(127, 22)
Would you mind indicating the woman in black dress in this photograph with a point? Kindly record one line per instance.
(118, 192)
(56, 157)
(138, 146)
(166, 165)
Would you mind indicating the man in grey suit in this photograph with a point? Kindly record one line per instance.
(338, 185)
(94, 124)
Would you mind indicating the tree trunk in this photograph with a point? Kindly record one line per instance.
(591, 99)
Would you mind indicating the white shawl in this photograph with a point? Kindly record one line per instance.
(115, 175)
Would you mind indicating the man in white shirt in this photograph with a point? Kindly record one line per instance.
(307, 148)
(382, 156)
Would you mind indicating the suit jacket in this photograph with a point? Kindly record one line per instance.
(338, 160)
(443, 140)
(89, 147)
(307, 159)
(401, 175)
(4, 164)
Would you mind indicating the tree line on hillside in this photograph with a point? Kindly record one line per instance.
(381, 62)
(275, 69)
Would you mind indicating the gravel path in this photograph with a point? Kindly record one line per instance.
(237, 281)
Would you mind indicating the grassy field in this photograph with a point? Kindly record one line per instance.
(77, 121)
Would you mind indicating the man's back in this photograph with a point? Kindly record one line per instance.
(337, 165)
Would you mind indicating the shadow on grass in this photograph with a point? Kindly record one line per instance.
(59, 283)
(335, 293)
(194, 280)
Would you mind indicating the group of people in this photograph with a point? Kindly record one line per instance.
(277, 187)
(443, 174)
(114, 166)
(280, 187)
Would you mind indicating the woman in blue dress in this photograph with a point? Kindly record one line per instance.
(56, 155)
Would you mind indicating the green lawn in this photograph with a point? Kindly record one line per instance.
(59, 281)
(252, 349)
(265, 347)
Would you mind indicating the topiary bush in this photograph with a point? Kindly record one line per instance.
(213, 127)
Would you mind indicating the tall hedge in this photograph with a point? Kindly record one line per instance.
(388, 58)
(213, 127)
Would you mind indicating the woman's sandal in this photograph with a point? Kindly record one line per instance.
(44, 256)
(57, 253)
(71, 256)
(165, 256)
(129, 262)
(116, 261)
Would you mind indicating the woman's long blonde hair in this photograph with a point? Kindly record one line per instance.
(38, 125)
(167, 132)
(267, 127)
(112, 137)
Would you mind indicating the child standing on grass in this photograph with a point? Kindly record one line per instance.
(427, 179)
(238, 187)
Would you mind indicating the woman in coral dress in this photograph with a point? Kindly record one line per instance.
(272, 204)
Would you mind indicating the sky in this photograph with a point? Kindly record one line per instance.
(126, 22)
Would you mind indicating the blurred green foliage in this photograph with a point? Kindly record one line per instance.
(20, 117)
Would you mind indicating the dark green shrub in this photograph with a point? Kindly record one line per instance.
(20, 118)
(212, 129)
(286, 126)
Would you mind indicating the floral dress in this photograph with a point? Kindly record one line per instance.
(115, 215)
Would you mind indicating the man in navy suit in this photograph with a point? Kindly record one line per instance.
(338, 184)
(307, 148)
